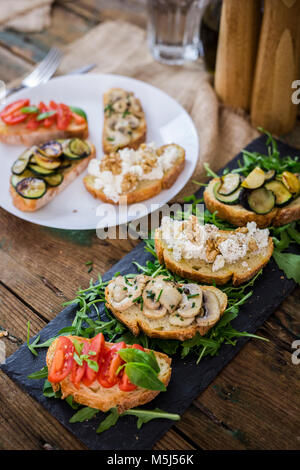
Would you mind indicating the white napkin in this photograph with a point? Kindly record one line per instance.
(25, 15)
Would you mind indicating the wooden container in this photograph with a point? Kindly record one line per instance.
(278, 65)
(236, 54)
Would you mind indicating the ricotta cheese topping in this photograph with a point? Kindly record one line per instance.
(190, 240)
(146, 163)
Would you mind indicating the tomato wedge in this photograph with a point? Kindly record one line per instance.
(13, 107)
(107, 376)
(32, 123)
(97, 346)
(78, 119)
(125, 385)
(14, 118)
(78, 371)
(62, 360)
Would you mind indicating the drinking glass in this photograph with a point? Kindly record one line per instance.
(174, 29)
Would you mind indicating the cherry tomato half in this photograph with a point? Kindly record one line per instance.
(62, 360)
(107, 376)
(13, 107)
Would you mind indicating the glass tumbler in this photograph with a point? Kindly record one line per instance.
(174, 30)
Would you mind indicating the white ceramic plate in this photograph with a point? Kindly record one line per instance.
(75, 208)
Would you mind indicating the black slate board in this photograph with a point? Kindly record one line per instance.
(188, 379)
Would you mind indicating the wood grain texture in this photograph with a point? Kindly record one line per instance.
(278, 64)
(235, 412)
(236, 53)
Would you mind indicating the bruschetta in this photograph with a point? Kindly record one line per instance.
(163, 308)
(206, 254)
(90, 370)
(124, 120)
(129, 176)
(22, 123)
(43, 172)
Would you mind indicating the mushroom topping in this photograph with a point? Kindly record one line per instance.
(160, 296)
(191, 301)
(123, 292)
(177, 320)
(116, 95)
(211, 309)
(119, 106)
(134, 122)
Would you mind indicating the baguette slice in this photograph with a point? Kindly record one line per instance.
(124, 120)
(20, 135)
(201, 271)
(70, 174)
(239, 216)
(136, 321)
(145, 189)
(102, 398)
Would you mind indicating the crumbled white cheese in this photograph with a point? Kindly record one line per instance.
(231, 247)
(131, 161)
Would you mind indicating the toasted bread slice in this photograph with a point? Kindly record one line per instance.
(136, 320)
(239, 216)
(70, 174)
(142, 189)
(124, 120)
(102, 398)
(200, 270)
(20, 135)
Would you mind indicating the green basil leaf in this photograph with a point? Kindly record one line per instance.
(72, 403)
(83, 415)
(109, 421)
(136, 355)
(143, 376)
(78, 111)
(49, 392)
(45, 115)
(92, 365)
(30, 110)
(289, 263)
(40, 374)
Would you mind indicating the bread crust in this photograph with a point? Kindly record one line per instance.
(239, 216)
(145, 189)
(70, 174)
(105, 398)
(233, 272)
(138, 135)
(140, 323)
(19, 135)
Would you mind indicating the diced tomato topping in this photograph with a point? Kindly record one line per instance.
(78, 119)
(32, 123)
(138, 346)
(107, 376)
(14, 118)
(78, 371)
(13, 107)
(63, 115)
(62, 361)
(125, 385)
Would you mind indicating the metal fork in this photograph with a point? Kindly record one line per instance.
(42, 73)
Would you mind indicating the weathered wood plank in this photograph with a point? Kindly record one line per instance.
(12, 66)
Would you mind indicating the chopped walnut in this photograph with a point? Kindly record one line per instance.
(111, 162)
(129, 182)
(149, 159)
(242, 230)
(252, 245)
(192, 229)
(211, 251)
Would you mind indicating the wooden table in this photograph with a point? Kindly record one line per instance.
(252, 404)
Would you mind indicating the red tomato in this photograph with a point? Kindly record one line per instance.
(97, 345)
(138, 346)
(63, 116)
(32, 123)
(14, 118)
(111, 362)
(78, 370)
(125, 385)
(53, 105)
(78, 119)
(62, 361)
(13, 107)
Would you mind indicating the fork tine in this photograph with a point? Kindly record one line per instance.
(51, 67)
(51, 59)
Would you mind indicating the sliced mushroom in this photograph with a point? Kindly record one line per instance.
(191, 301)
(120, 106)
(123, 292)
(211, 309)
(177, 320)
(160, 296)
(116, 95)
(133, 122)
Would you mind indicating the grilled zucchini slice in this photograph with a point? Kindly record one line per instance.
(21, 164)
(229, 184)
(291, 182)
(282, 195)
(261, 200)
(77, 148)
(255, 179)
(52, 149)
(38, 170)
(231, 199)
(15, 179)
(54, 180)
(31, 188)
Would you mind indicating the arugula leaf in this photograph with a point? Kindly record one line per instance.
(144, 416)
(83, 415)
(72, 403)
(289, 263)
(40, 374)
(109, 421)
